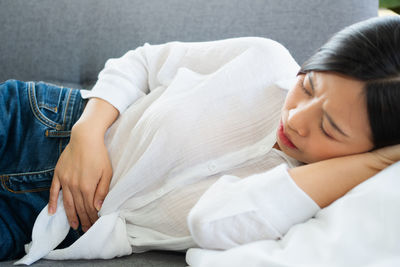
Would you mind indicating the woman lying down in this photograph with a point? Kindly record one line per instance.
(184, 145)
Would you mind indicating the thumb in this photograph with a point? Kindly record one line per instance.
(102, 190)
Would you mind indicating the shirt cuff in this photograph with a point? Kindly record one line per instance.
(121, 98)
(286, 204)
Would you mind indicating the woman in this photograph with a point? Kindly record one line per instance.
(202, 116)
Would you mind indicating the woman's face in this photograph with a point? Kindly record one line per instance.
(324, 116)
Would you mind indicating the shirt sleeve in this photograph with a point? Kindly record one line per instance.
(235, 211)
(124, 80)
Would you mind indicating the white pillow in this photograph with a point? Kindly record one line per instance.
(360, 229)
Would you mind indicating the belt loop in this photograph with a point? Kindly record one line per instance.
(55, 133)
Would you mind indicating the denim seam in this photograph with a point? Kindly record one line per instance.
(54, 109)
(3, 181)
(6, 177)
(73, 109)
(26, 173)
(36, 112)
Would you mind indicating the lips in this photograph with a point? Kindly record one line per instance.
(282, 136)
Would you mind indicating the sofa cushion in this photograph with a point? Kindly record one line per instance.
(70, 40)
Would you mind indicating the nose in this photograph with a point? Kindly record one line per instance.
(301, 117)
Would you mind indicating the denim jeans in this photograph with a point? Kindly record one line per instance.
(35, 124)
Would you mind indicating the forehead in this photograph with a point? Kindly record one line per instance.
(344, 102)
(339, 88)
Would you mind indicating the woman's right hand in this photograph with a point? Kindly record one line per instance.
(84, 169)
(84, 172)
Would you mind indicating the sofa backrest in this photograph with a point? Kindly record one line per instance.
(69, 40)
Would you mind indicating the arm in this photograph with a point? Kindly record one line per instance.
(124, 80)
(328, 180)
(236, 211)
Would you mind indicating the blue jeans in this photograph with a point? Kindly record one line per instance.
(35, 124)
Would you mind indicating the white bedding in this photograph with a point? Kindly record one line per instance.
(360, 229)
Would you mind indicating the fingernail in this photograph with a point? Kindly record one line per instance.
(98, 205)
(51, 210)
(74, 225)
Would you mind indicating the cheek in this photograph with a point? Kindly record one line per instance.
(318, 148)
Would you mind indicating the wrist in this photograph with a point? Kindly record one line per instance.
(96, 118)
(88, 129)
(90, 123)
(379, 160)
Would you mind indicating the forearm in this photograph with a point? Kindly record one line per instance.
(97, 116)
(328, 180)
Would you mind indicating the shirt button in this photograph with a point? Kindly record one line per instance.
(212, 167)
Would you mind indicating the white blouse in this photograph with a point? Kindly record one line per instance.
(195, 118)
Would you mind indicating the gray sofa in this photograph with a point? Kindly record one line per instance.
(68, 41)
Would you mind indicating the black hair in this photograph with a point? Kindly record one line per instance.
(368, 51)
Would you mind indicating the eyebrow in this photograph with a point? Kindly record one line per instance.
(334, 125)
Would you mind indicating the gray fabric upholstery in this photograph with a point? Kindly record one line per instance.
(153, 258)
(68, 41)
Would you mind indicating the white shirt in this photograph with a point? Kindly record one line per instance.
(194, 119)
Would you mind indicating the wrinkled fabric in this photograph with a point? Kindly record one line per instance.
(359, 229)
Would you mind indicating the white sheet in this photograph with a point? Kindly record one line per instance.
(360, 229)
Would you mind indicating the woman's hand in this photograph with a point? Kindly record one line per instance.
(84, 169)
(84, 172)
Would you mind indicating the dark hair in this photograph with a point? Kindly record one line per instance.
(369, 51)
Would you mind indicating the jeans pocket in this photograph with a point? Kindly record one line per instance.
(27, 182)
(45, 101)
(55, 107)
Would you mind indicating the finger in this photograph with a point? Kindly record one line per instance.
(102, 189)
(69, 206)
(88, 195)
(81, 210)
(54, 191)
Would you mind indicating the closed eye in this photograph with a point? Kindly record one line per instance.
(305, 89)
(321, 126)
